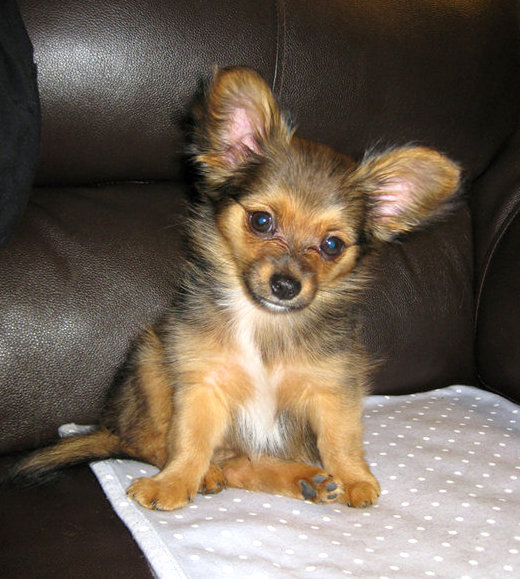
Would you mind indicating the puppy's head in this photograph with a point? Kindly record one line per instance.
(295, 216)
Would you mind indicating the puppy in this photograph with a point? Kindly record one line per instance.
(255, 377)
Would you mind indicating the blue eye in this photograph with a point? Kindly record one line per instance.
(261, 222)
(331, 247)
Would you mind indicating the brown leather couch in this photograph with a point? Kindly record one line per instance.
(96, 255)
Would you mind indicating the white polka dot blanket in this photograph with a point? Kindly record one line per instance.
(449, 465)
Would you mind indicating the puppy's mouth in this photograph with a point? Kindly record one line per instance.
(276, 307)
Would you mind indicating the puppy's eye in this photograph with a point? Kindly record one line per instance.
(331, 247)
(261, 223)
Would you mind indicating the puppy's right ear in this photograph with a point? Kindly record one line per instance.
(238, 121)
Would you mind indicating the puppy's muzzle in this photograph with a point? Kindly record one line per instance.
(280, 285)
(285, 287)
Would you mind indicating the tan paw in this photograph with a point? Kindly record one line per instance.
(320, 488)
(213, 481)
(161, 495)
(360, 494)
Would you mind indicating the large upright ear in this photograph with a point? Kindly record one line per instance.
(238, 119)
(406, 188)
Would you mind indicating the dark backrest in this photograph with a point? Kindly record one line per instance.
(117, 77)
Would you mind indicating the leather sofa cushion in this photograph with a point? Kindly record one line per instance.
(86, 270)
(90, 267)
(65, 529)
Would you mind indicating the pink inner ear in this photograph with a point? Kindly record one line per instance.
(241, 134)
(393, 198)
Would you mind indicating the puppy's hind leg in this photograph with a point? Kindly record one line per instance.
(292, 479)
(213, 481)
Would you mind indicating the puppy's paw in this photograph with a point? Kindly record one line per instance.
(362, 493)
(320, 488)
(213, 481)
(161, 495)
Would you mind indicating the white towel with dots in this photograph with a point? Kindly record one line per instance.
(449, 465)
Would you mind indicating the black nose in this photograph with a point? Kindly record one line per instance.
(285, 287)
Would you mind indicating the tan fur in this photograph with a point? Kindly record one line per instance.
(292, 479)
(255, 377)
(148, 440)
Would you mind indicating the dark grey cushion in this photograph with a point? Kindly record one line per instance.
(19, 118)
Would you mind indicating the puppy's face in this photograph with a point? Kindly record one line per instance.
(290, 240)
(296, 215)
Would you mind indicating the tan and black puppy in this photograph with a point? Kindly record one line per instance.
(255, 377)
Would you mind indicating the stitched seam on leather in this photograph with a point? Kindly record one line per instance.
(281, 31)
(491, 252)
(489, 259)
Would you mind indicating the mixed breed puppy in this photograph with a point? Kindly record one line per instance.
(255, 377)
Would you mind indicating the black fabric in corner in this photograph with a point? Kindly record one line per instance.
(19, 118)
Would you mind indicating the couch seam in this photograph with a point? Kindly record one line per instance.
(281, 31)
(491, 252)
(488, 261)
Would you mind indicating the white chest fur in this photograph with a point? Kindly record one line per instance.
(257, 420)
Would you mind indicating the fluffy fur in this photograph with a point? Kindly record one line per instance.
(255, 377)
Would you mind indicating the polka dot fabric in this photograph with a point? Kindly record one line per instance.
(449, 465)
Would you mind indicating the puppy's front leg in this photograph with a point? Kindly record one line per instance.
(200, 421)
(338, 427)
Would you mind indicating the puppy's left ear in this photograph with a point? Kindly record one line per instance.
(238, 120)
(406, 189)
